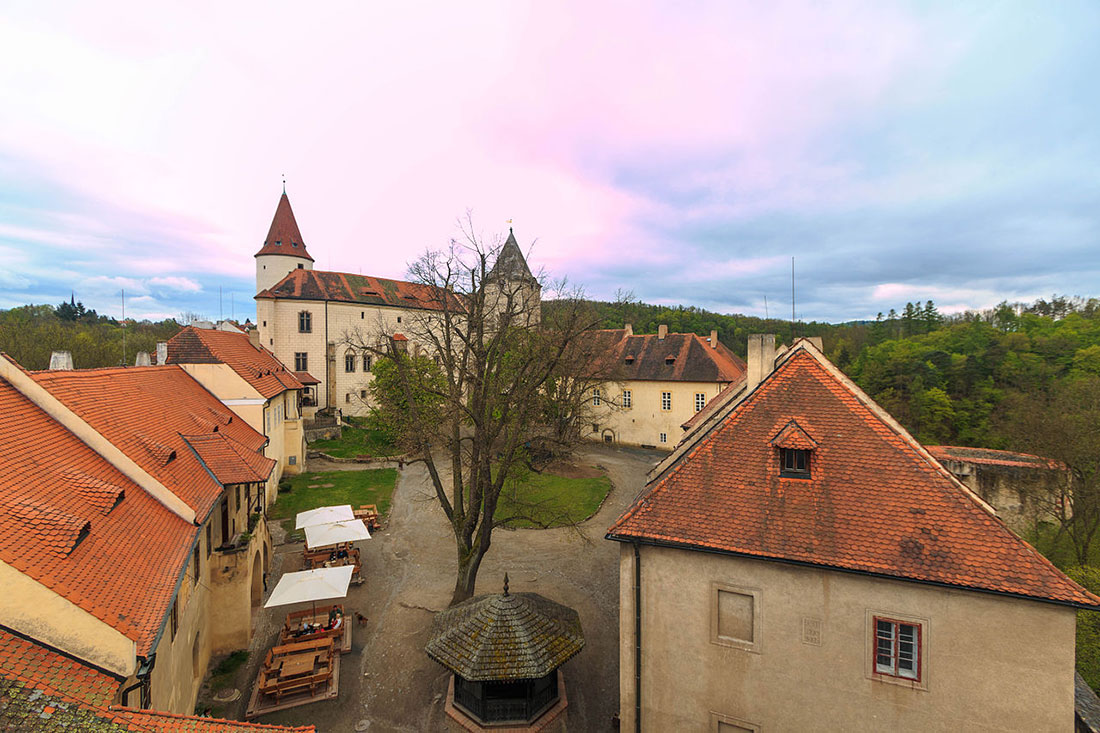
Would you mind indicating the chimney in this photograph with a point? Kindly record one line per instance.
(142, 359)
(816, 341)
(714, 338)
(62, 360)
(162, 352)
(629, 328)
(761, 358)
(254, 337)
(662, 331)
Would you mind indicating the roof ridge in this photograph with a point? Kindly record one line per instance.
(123, 710)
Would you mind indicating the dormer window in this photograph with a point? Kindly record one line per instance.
(794, 463)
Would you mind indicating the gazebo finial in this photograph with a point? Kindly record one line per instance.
(506, 584)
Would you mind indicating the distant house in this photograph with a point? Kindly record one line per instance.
(659, 381)
(249, 380)
(132, 531)
(800, 562)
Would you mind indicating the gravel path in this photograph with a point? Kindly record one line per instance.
(387, 682)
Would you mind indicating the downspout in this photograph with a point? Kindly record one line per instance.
(637, 639)
(143, 675)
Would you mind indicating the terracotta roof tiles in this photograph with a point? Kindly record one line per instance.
(876, 501)
(681, 357)
(348, 288)
(283, 238)
(254, 364)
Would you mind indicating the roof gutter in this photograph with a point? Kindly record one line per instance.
(819, 566)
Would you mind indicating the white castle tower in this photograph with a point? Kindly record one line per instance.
(283, 250)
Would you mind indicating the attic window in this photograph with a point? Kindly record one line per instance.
(794, 463)
(670, 358)
(278, 243)
(630, 358)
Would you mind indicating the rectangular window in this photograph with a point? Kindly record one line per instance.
(174, 620)
(664, 437)
(301, 361)
(349, 362)
(666, 401)
(195, 560)
(305, 322)
(209, 538)
(363, 394)
(237, 502)
(794, 463)
(596, 396)
(347, 397)
(366, 362)
(627, 398)
(700, 401)
(595, 428)
(897, 648)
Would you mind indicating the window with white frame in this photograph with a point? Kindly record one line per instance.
(666, 401)
(700, 401)
(664, 437)
(628, 398)
(897, 648)
(596, 396)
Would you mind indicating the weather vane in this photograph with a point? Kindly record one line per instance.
(284, 183)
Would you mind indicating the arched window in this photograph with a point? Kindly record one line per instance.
(349, 361)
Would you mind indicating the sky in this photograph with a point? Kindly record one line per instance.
(683, 152)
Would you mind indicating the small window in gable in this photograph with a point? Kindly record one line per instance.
(794, 463)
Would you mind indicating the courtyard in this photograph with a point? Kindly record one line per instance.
(387, 682)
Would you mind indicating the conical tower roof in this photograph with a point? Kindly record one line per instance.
(511, 264)
(506, 636)
(283, 238)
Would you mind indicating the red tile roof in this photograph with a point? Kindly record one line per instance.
(45, 691)
(283, 238)
(680, 357)
(876, 503)
(348, 288)
(230, 461)
(145, 412)
(306, 378)
(990, 457)
(53, 671)
(63, 524)
(254, 364)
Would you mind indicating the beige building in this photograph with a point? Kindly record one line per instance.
(660, 381)
(250, 381)
(799, 562)
(312, 319)
(132, 530)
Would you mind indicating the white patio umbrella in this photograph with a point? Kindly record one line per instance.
(333, 533)
(324, 515)
(321, 584)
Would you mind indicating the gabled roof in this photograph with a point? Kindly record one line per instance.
(229, 461)
(45, 691)
(678, 357)
(254, 364)
(145, 412)
(876, 502)
(344, 287)
(52, 483)
(283, 238)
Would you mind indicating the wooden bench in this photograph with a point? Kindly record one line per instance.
(294, 621)
(277, 682)
(369, 514)
(322, 557)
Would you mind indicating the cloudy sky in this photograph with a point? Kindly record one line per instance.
(683, 151)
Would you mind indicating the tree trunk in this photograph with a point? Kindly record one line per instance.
(469, 560)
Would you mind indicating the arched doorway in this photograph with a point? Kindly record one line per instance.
(608, 435)
(257, 580)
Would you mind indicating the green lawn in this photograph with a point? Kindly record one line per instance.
(312, 490)
(547, 500)
(356, 442)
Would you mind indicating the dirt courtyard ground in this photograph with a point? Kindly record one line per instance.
(387, 682)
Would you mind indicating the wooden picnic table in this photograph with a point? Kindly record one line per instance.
(369, 514)
(297, 667)
(322, 557)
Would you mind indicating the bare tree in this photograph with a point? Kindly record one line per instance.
(478, 382)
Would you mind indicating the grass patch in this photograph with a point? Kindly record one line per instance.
(222, 675)
(357, 441)
(312, 490)
(549, 500)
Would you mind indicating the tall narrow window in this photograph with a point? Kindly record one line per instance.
(897, 648)
(301, 361)
(305, 322)
(596, 396)
(349, 362)
(700, 401)
(174, 619)
(628, 398)
(664, 437)
(366, 362)
(195, 560)
(666, 401)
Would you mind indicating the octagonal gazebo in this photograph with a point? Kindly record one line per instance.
(505, 650)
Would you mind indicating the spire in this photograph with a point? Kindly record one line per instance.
(283, 238)
(506, 584)
(511, 264)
